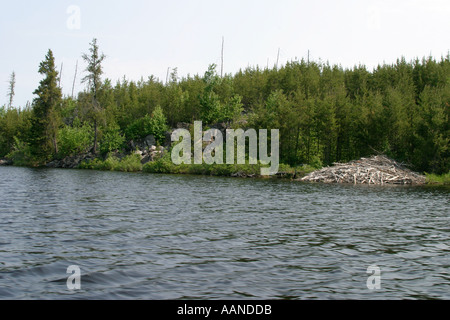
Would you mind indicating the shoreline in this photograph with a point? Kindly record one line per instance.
(294, 174)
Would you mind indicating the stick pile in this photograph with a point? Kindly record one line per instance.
(378, 170)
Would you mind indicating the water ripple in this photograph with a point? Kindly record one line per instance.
(139, 236)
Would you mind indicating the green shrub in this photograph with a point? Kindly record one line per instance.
(162, 165)
(305, 169)
(247, 169)
(139, 128)
(130, 163)
(112, 140)
(22, 155)
(221, 170)
(3, 147)
(165, 165)
(158, 124)
(75, 140)
(155, 125)
(438, 179)
(315, 162)
(98, 164)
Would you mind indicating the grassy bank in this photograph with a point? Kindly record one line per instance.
(165, 165)
(443, 179)
(132, 163)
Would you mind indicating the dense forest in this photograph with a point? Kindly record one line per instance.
(325, 113)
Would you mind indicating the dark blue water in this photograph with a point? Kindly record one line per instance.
(142, 236)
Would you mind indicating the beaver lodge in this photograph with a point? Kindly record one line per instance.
(378, 170)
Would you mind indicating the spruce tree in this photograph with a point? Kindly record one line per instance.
(44, 127)
(93, 79)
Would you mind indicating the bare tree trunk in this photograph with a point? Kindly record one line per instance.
(308, 145)
(60, 75)
(278, 58)
(55, 144)
(95, 136)
(297, 141)
(74, 78)
(11, 91)
(221, 69)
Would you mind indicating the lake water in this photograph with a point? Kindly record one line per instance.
(143, 236)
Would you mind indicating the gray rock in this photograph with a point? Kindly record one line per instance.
(150, 141)
(155, 155)
(5, 162)
(146, 159)
(70, 162)
(168, 139)
(139, 152)
(53, 164)
(183, 125)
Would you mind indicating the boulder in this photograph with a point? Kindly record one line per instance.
(146, 159)
(70, 162)
(139, 152)
(183, 125)
(53, 164)
(154, 155)
(131, 145)
(168, 139)
(149, 141)
(5, 162)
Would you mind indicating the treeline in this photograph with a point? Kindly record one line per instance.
(325, 113)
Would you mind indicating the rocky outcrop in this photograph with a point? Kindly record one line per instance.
(142, 144)
(183, 125)
(242, 174)
(146, 148)
(151, 154)
(71, 162)
(5, 162)
(150, 141)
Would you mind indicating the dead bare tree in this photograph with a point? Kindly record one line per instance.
(221, 69)
(74, 78)
(11, 89)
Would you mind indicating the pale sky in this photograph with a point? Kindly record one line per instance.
(143, 38)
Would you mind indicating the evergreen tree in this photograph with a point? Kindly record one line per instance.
(324, 113)
(93, 79)
(45, 107)
(209, 101)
